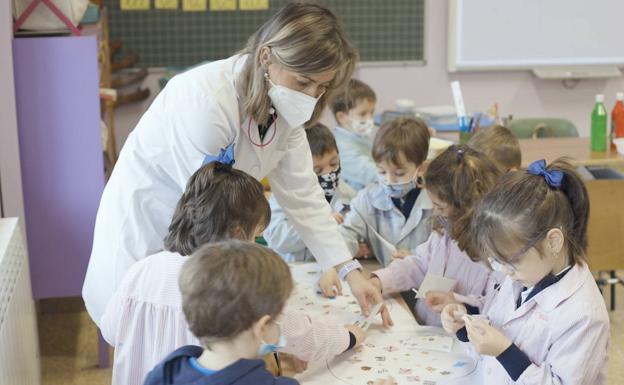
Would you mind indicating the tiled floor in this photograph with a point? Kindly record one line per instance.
(68, 343)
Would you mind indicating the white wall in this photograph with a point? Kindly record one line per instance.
(10, 173)
(518, 93)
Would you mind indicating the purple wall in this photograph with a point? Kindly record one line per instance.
(58, 116)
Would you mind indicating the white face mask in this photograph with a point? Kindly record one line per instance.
(294, 106)
(362, 127)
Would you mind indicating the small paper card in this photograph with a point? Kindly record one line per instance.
(434, 282)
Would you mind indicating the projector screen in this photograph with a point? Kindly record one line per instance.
(528, 34)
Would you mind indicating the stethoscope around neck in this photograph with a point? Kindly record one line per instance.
(274, 124)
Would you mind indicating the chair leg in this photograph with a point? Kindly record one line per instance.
(613, 276)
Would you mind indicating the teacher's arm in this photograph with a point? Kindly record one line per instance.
(296, 189)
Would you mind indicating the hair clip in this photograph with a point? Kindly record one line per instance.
(460, 155)
(226, 156)
(552, 177)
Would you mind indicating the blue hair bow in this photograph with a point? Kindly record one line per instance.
(226, 156)
(552, 177)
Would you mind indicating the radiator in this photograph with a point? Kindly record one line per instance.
(19, 345)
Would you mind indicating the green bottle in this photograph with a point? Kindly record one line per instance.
(599, 126)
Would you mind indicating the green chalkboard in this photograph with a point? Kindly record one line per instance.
(382, 30)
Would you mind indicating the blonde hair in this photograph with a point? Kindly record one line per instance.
(303, 38)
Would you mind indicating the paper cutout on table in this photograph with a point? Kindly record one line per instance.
(433, 341)
(223, 5)
(166, 4)
(254, 5)
(343, 308)
(193, 5)
(134, 5)
(396, 354)
(433, 282)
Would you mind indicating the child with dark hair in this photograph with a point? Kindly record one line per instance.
(455, 181)
(144, 319)
(280, 234)
(547, 323)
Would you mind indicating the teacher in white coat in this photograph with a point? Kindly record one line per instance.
(255, 105)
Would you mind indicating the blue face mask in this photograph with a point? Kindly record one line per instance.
(271, 348)
(397, 190)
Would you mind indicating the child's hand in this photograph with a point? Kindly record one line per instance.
(387, 381)
(339, 218)
(293, 363)
(451, 317)
(330, 283)
(400, 254)
(358, 332)
(367, 295)
(363, 250)
(437, 300)
(487, 339)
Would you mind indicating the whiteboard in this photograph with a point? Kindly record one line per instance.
(528, 34)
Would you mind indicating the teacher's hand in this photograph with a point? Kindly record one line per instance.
(330, 283)
(367, 295)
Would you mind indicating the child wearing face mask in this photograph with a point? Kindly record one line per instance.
(353, 110)
(232, 293)
(392, 215)
(547, 323)
(455, 181)
(144, 320)
(280, 234)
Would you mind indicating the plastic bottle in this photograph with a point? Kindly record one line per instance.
(617, 119)
(599, 126)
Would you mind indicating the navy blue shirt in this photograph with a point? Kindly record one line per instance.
(177, 369)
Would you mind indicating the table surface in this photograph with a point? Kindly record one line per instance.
(578, 149)
(371, 265)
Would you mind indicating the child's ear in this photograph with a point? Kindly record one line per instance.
(258, 328)
(342, 118)
(555, 241)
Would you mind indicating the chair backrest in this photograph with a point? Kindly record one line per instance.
(543, 128)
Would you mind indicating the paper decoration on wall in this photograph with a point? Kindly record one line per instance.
(254, 5)
(223, 5)
(194, 5)
(166, 4)
(134, 5)
(412, 354)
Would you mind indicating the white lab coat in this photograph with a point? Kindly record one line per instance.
(199, 113)
(283, 238)
(373, 215)
(564, 330)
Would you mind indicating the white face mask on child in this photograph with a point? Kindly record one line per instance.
(362, 127)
